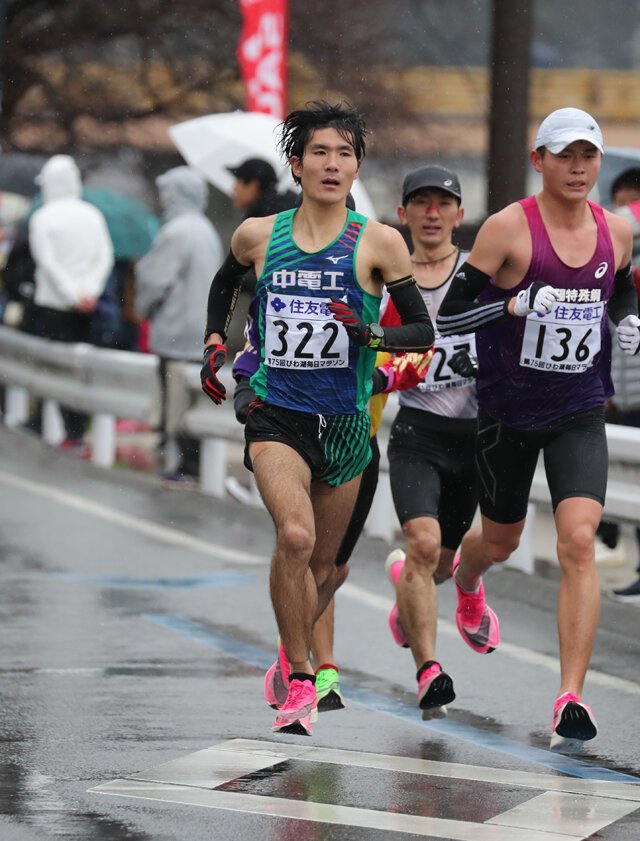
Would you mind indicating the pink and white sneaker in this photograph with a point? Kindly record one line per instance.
(297, 713)
(435, 690)
(276, 681)
(573, 724)
(477, 623)
(394, 566)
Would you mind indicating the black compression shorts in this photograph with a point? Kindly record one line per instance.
(575, 460)
(432, 471)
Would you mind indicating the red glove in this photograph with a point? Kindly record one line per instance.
(406, 371)
(353, 324)
(214, 358)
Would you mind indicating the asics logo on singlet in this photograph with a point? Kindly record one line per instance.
(602, 268)
(334, 258)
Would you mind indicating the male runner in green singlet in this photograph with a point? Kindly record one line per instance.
(321, 270)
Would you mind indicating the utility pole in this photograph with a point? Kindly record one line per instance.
(509, 107)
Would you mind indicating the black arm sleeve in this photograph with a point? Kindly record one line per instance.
(459, 311)
(416, 333)
(223, 296)
(624, 300)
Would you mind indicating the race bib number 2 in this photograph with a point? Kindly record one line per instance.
(566, 340)
(301, 333)
(439, 375)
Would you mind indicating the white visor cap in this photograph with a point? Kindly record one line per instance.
(566, 125)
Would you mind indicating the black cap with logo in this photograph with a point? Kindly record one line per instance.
(255, 168)
(431, 176)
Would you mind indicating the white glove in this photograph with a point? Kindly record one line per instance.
(628, 333)
(539, 297)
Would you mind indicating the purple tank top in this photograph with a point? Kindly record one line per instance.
(536, 370)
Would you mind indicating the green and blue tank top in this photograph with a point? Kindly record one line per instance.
(307, 361)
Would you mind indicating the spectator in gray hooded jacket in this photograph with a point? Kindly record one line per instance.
(172, 286)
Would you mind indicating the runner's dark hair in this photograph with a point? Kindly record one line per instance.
(299, 126)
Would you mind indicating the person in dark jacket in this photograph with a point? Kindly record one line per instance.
(254, 191)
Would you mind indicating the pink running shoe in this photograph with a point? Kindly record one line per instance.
(394, 565)
(435, 689)
(297, 713)
(477, 623)
(573, 724)
(276, 680)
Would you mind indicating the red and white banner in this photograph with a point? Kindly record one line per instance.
(262, 53)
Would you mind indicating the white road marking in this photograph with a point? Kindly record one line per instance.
(525, 655)
(557, 811)
(145, 527)
(567, 810)
(348, 590)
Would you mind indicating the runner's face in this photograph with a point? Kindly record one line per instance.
(572, 173)
(431, 215)
(625, 195)
(328, 168)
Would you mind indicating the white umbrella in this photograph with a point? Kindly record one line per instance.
(212, 143)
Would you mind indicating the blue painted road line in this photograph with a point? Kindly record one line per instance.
(216, 579)
(262, 659)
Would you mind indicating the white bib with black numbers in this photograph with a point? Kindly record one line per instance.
(439, 375)
(566, 340)
(301, 333)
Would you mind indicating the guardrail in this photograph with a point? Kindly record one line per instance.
(117, 384)
(107, 384)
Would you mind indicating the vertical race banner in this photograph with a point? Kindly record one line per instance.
(262, 53)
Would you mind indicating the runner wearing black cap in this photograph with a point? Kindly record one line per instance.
(431, 448)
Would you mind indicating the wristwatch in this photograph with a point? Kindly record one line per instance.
(377, 336)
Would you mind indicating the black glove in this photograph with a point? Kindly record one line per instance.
(463, 364)
(213, 359)
(353, 324)
(243, 397)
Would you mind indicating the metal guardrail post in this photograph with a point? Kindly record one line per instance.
(213, 466)
(52, 425)
(16, 405)
(103, 439)
(381, 521)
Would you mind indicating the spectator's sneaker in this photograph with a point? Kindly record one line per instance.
(573, 724)
(276, 681)
(177, 479)
(394, 565)
(477, 623)
(435, 689)
(77, 447)
(328, 689)
(296, 714)
(630, 594)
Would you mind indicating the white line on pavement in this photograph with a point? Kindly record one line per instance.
(348, 590)
(146, 527)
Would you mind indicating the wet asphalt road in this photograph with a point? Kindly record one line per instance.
(135, 633)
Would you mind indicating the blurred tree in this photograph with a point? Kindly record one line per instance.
(69, 64)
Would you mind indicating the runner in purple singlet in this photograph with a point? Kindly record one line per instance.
(542, 278)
